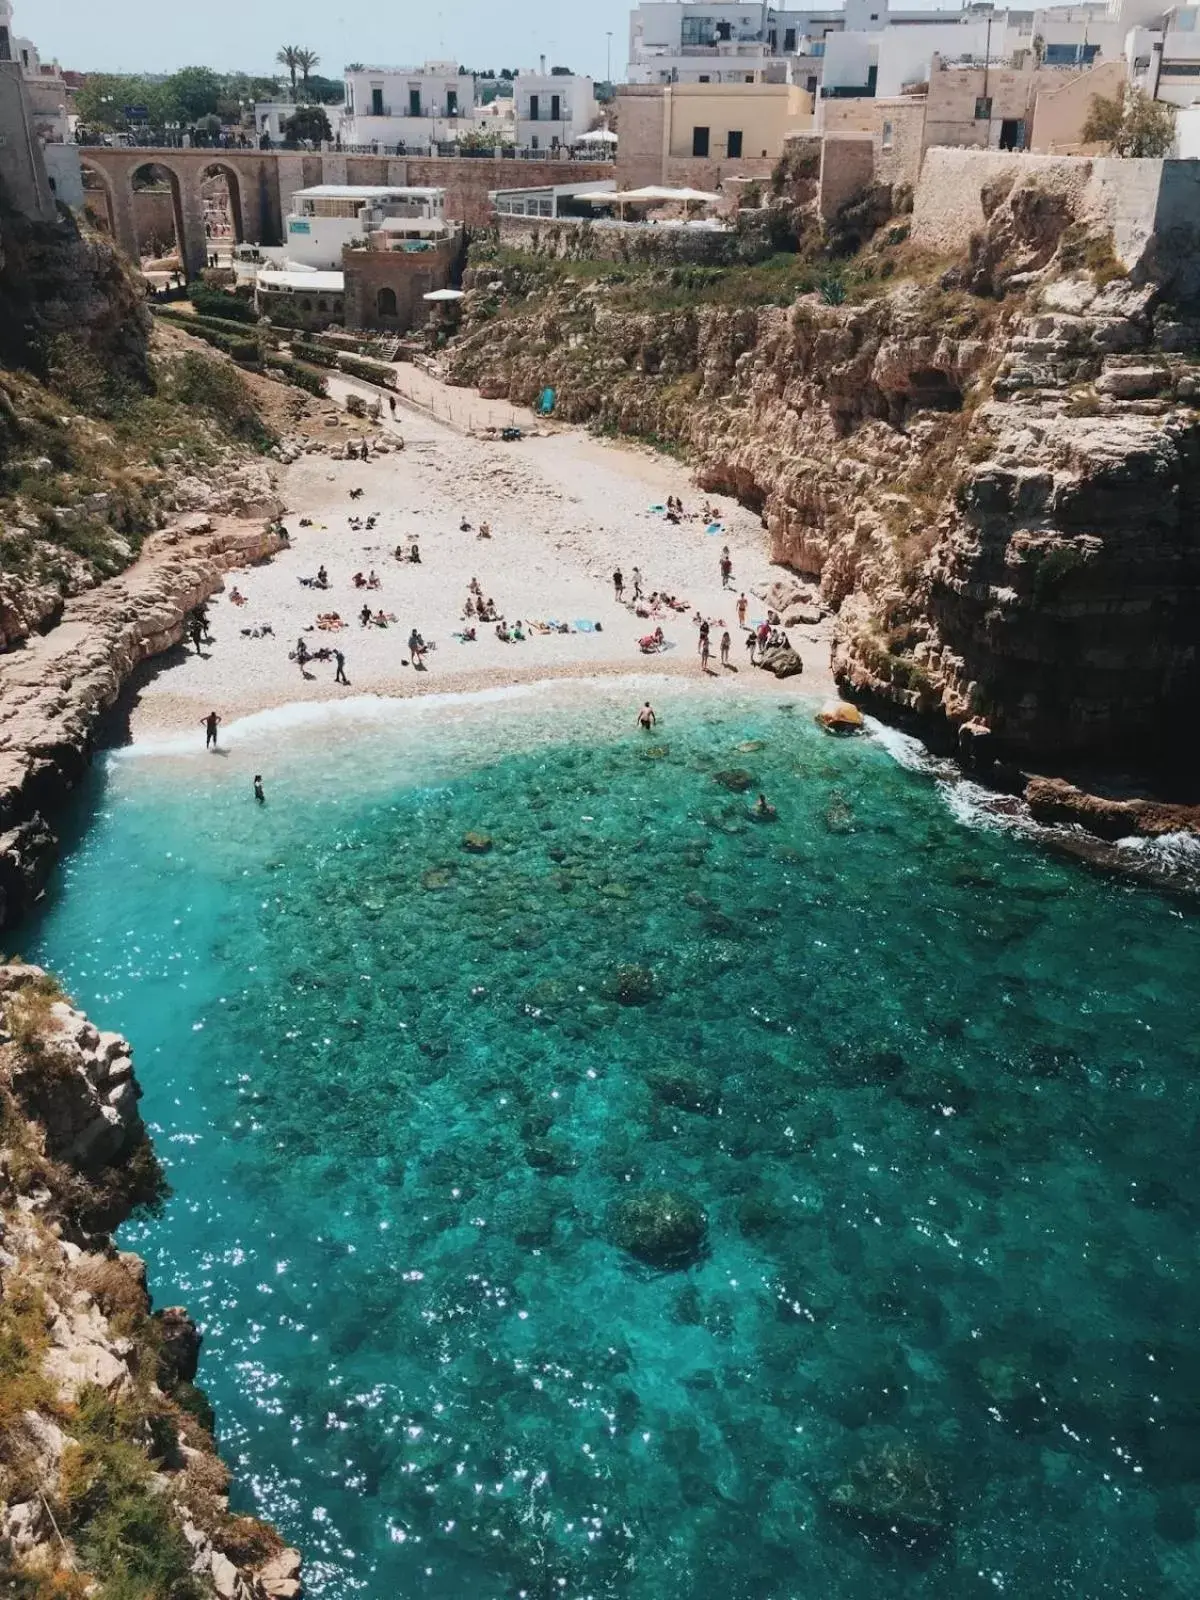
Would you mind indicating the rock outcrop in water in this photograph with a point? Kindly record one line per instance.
(992, 470)
(108, 1471)
(54, 691)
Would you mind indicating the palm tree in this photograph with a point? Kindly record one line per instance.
(306, 60)
(289, 57)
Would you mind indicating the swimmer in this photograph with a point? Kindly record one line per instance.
(764, 810)
(258, 789)
(646, 717)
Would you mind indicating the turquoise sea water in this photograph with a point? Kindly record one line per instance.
(935, 1090)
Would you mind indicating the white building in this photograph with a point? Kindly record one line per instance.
(868, 47)
(45, 89)
(1164, 61)
(271, 116)
(552, 109)
(497, 120)
(329, 216)
(409, 106)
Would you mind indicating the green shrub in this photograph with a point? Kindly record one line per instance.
(319, 354)
(216, 303)
(295, 372)
(219, 391)
(370, 371)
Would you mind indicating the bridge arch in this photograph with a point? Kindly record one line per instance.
(186, 207)
(99, 189)
(233, 188)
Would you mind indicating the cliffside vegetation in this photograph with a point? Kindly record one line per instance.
(109, 1481)
(104, 428)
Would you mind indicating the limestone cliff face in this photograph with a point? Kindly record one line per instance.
(54, 691)
(993, 473)
(108, 1471)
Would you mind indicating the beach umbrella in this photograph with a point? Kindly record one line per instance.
(598, 136)
(443, 294)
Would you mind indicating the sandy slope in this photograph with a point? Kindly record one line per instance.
(564, 510)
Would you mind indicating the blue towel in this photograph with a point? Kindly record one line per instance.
(585, 627)
(715, 527)
(656, 508)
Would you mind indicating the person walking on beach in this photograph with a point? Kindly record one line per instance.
(416, 649)
(392, 404)
(258, 789)
(340, 675)
(726, 570)
(618, 584)
(637, 583)
(646, 717)
(741, 611)
(196, 628)
(211, 723)
(725, 642)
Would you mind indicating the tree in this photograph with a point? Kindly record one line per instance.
(1131, 124)
(289, 57)
(195, 91)
(308, 122)
(306, 60)
(324, 91)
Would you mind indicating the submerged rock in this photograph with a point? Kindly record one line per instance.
(437, 878)
(898, 1492)
(661, 1227)
(477, 844)
(736, 779)
(688, 1091)
(630, 986)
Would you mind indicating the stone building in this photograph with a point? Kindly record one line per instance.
(697, 134)
(388, 275)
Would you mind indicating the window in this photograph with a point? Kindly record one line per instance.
(733, 144)
(377, 100)
(385, 303)
(24, 58)
(772, 41)
(704, 78)
(556, 108)
(321, 306)
(810, 84)
(699, 141)
(533, 142)
(983, 108)
(749, 77)
(534, 107)
(887, 140)
(789, 41)
(724, 31)
(414, 102)
(451, 102)
(5, 47)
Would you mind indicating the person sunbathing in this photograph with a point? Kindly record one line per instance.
(485, 531)
(359, 581)
(373, 579)
(236, 596)
(502, 633)
(414, 555)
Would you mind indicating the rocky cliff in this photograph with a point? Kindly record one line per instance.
(990, 465)
(54, 691)
(109, 1479)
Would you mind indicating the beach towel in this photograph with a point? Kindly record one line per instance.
(585, 627)
(715, 527)
(659, 509)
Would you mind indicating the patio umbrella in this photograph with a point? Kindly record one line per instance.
(597, 136)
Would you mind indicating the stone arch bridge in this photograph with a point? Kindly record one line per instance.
(262, 183)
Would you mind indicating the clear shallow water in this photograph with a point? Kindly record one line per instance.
(951, 1179)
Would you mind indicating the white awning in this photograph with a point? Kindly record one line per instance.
(653, 193)
(598, 136)
(443, 294)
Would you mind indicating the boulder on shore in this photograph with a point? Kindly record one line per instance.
(841, 718)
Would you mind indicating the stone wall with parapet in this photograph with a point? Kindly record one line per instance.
(568, 240)
(1152, 208)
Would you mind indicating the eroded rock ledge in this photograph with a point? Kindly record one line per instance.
(55, 689)
(108, 1470)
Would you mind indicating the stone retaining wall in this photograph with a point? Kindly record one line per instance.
(568, 240)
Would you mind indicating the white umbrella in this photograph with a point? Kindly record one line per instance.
(443, 294)
(599, 136)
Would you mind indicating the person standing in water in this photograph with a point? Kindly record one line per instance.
(211, 723)
(258, 789)
(646, 717)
